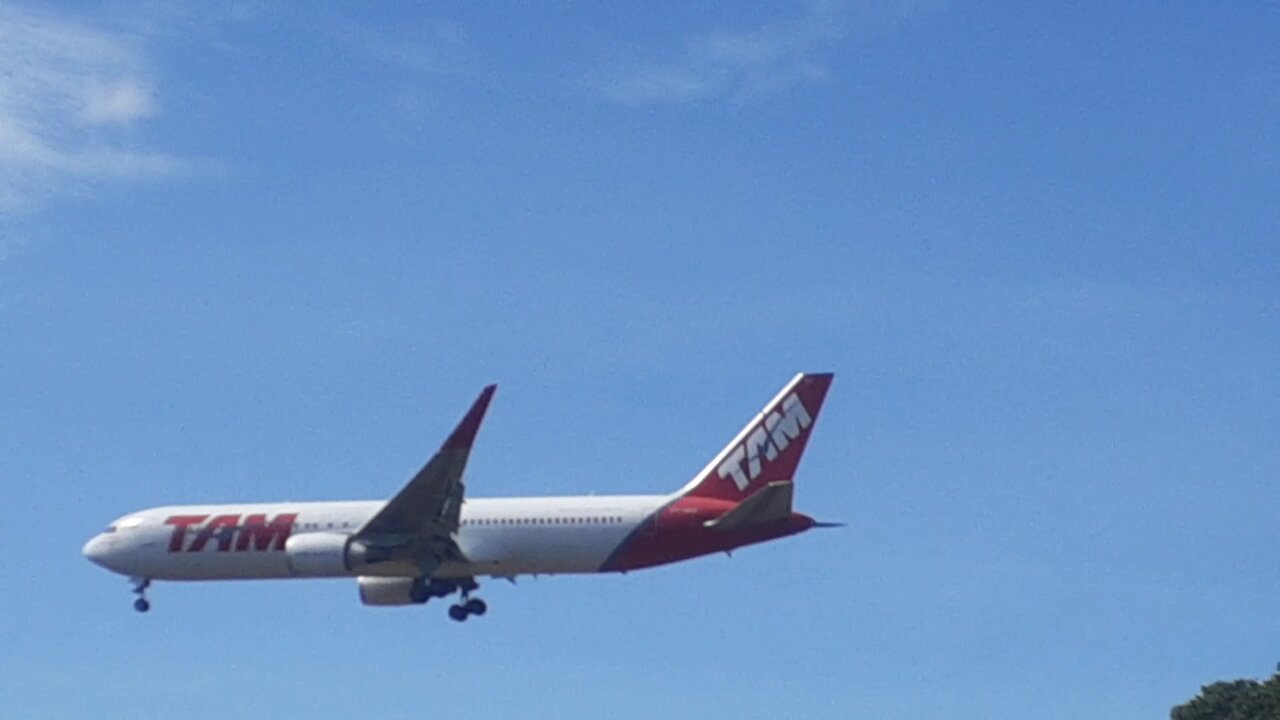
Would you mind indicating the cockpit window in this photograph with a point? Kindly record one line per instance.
(126, 524)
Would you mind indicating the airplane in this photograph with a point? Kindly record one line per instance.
(430, 541)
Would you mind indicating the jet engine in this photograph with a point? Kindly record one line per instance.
(324, 554)
(391, 591)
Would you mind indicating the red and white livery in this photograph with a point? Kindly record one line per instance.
(429, 541)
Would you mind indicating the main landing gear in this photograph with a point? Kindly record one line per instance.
(467, 606)
(464, 610)
(140, 586)
(424, 590)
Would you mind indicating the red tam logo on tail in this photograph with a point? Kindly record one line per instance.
(766, 441)
(769, 448)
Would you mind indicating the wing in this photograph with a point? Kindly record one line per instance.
(417, 525)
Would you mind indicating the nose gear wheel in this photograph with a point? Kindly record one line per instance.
(140, 586)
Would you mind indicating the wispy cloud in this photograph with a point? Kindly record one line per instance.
(410, 61)
(733, 63)
(433, 48)
(71, 98)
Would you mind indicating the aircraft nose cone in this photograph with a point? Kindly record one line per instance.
(99, 550)
(93, 549)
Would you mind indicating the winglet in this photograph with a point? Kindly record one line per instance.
(465, 434)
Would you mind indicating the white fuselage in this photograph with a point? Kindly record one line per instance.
(500, 537)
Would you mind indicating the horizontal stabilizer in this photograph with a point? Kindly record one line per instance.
(768, 504)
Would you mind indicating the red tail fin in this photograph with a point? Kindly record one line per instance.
(769, 448)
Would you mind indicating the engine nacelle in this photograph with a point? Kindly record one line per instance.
(391, 591)
(323, 554)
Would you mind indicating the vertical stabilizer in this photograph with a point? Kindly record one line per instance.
(768, 449)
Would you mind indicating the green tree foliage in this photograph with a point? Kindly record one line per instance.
(1237, 700)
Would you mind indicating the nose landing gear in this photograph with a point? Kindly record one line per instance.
(140, 586)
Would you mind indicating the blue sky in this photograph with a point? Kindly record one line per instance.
(271, 251)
